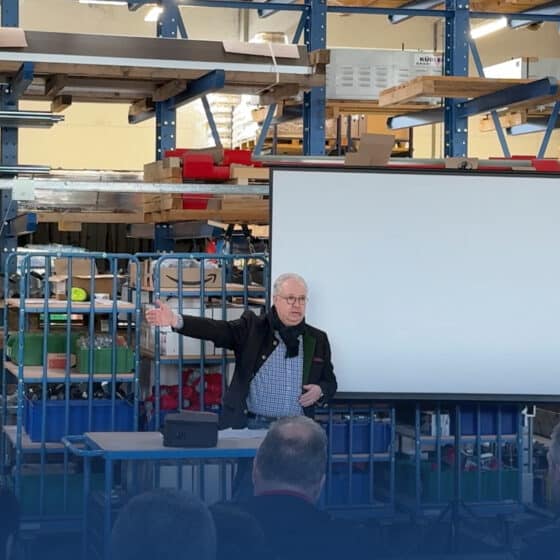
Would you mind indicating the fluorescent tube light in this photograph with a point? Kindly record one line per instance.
(487, 28)
(106, 2)
(154, 13)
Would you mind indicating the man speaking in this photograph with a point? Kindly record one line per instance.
(282, 365)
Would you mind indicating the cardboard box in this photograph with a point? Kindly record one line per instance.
(169, 277)
(56, 360)
(81, 277)
(169, 344)
(374, 149)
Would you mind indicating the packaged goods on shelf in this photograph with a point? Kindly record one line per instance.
(169, 275)
(82, 270)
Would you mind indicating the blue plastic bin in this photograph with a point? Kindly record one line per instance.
(488, 420)
(55, 420)
(361, 436)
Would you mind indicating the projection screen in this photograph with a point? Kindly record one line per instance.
(429, 284)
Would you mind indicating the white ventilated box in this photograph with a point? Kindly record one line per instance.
(364, 73)
(524, 68)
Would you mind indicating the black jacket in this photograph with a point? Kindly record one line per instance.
(295, 529)
(252, 340)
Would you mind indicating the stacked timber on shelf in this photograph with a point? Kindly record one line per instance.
(455, 87)
(366, 117)
(236, 208)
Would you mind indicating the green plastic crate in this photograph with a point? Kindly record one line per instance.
(33, 346)
(102, 360)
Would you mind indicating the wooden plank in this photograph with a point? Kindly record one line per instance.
(346, 107)
(92, 217)
(60, 103)
(278, 93)
(169, 89)
(242, 174)
(67, 225)
(163, 170)
(55, 84)
(240, 202)
(320, 56)
(241, 216)
(141, 106)
(507, 120)
(444, 86)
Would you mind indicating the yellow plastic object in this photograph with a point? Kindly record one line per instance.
(78, 294)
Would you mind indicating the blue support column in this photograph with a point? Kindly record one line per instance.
(549, 128)
(211, 121)
(456, 64)
(165, 112)
(9, 138)
(314, 101)
(264, 129)
(163, 238)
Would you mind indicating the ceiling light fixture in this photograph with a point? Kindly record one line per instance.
(105, 2)
(487, 28)
(153, 14)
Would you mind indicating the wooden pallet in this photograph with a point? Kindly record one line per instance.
(443, 86)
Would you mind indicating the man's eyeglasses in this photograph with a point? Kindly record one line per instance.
(291, 300)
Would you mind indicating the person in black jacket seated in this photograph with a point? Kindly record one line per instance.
(288, 476)
(543, 543)
(283, 365)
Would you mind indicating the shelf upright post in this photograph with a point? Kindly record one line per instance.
(456, 64)
(165, 113)
(9, 12)
(314, 101)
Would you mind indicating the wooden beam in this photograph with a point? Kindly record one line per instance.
(168, 90)
(60, 103)
(257, 215)
(507, 120)
(320, 56)
(55, 84)
(65, 225)
(279, 93)
(141, 106)
(91, 217)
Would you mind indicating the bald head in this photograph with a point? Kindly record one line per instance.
(292, 456)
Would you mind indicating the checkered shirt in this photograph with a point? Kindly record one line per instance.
(276, 387)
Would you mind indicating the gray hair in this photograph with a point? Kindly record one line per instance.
(554, 450)
(279, 282)
(293, 452)
(164, 524)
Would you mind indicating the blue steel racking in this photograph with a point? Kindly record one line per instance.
(431, 481)
(51, 420)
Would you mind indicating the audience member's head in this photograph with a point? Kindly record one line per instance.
(239, 534)
(9, 523)
(292, 457)
(164, 524)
